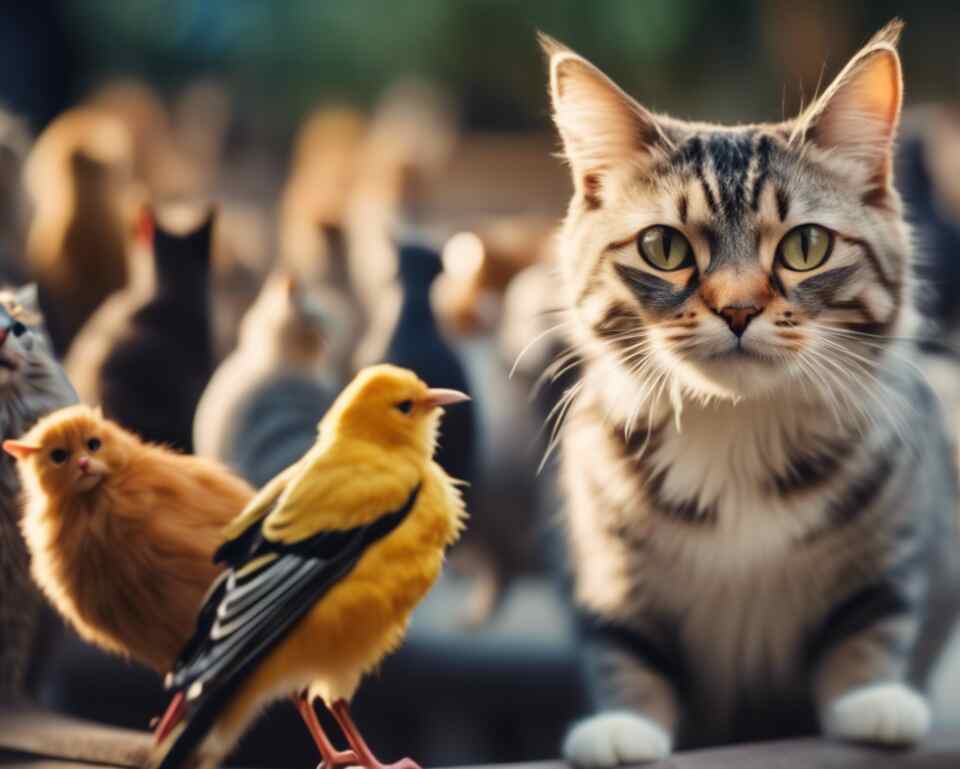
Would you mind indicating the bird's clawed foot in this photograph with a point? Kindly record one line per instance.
(403, 763)
(338, 758)
(331, 758)
(341, 712)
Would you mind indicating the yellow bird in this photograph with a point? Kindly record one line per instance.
(325, 566)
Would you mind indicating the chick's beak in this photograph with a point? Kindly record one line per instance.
(437, 396)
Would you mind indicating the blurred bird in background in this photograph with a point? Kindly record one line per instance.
(506, 535)
(417, 343)
(409, 143)
(325, 566)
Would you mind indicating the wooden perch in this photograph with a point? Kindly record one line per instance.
(35, 739)
(942, 751)
(40, 733)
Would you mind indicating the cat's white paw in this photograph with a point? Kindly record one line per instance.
(615, 738)
(884, 714)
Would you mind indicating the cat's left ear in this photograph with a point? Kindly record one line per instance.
(601, 127)
(20, 450)
(28, 297)
(856, 118)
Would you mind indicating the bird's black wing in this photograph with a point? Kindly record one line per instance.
(253, 609)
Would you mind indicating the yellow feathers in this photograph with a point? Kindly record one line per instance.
(326, 564)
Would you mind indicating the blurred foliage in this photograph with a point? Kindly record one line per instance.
(724, 60)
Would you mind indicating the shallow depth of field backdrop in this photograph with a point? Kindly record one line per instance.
(507, 691)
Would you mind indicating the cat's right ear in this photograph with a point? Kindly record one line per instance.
(20, 450)
(601, 127)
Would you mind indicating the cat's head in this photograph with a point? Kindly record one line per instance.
(25, 353)
(71, 451)
(733, 261)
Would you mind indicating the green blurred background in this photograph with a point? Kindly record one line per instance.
(736, 60)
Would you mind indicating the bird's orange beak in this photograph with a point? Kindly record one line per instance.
(437, 396)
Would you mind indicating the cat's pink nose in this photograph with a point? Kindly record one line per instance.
(738, 316)
(83, 461)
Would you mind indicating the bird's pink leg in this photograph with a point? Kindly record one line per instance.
(330, 755)
(341, 711)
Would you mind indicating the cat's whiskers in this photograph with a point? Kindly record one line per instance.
(854, 337)
(868, 366)
(850, 386)
(566, 360)
(538, 338)
(815, 373)
(558, 415)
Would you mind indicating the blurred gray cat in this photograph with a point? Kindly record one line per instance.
(761, 498)
(32, 384)
(263, 403)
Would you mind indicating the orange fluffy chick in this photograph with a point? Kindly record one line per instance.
(325, 567)
(121, 533)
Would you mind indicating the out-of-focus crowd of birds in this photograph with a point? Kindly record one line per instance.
(211, 300)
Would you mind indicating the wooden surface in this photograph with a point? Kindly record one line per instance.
(941, 751)
(38, 733)
(86, 746)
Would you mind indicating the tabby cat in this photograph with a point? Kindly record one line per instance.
(760, 493)
(31, 385)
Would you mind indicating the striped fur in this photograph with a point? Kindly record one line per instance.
(761, 525)
(35, 386)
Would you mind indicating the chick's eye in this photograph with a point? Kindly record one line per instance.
(94, 444)
(59, 456)
(18, 329)
(665, 248)
(805, 247)
(405, 407)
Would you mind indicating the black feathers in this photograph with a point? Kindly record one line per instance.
(248, 614)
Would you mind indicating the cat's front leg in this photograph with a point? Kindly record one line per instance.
(860, 685)
(635, 696)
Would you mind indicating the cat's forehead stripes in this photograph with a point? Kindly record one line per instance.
(732, 170)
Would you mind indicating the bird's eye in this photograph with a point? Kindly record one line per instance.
(18, 328)
(59, 456)
(805, 247)
(665, 248)
(94, 444)
(405, 407)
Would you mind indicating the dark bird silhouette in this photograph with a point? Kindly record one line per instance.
(418, 344)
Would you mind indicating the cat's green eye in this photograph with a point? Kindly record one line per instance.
(665, 248)
(59, 456)
(94, 444)
(805, 247)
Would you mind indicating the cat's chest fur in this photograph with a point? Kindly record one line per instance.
(722, 490)
(744, 482)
